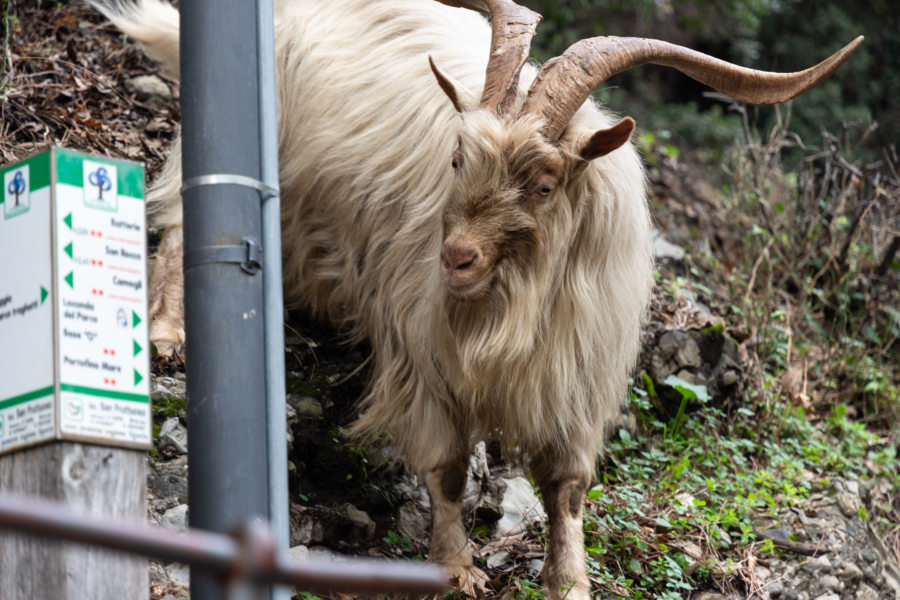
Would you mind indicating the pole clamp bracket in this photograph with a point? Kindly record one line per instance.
(248, 254)
(265, 191)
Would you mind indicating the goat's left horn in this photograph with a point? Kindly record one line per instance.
(565, 82)
(512, 28)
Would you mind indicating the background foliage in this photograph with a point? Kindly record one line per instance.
(763, 34)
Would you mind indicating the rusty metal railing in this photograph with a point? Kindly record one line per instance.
(247, 561)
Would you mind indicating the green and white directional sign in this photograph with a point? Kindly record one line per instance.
(74, 358)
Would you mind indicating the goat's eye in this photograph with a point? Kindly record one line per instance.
(541, 187)
(456, 160)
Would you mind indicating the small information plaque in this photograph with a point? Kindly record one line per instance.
(74, 353)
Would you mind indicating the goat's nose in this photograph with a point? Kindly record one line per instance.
(458, 257)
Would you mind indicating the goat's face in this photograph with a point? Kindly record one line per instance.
(508, 195)
(508, 213)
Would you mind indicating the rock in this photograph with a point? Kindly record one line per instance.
(520, 507)
(345, 526)
(149, 85)
(164, 586)
(361, 520)
(477, 479)
(176, 517)
(173, 433)
(820, 563)
(169, 485)
(851, 574)
(497, 558)
(679, 351)
(412, 520)
(179, 573)
(164, 388)
(324, 554)
(306, 406)
(169, 576)
(781, 533)
(694, 554)
(830, 582)
(664, 250)
(300, 552)
(846, 504)
(866, 593)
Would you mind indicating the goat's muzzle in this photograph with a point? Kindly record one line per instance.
(465, 269)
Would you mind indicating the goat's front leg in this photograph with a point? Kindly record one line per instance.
(449, 545)
(167, 294)
(563, 481)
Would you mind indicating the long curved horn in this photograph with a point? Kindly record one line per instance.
(512, 27)
(565, 82)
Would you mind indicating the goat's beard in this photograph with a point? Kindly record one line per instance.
(481, 339)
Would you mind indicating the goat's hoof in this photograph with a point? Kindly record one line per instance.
(469, 580)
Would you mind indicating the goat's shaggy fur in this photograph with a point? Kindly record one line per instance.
(541, 359)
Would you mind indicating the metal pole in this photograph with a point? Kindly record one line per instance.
(272, 291)
(223, 286)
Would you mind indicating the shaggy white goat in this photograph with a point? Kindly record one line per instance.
(495, 252)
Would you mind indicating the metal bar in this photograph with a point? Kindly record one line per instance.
(273, 313)
(251, 555)
(210, 551)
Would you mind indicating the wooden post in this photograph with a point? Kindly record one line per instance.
(91, 479)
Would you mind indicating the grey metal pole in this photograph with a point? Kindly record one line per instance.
(272, 291)
(223, 285)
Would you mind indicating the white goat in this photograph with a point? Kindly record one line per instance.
(496, 253)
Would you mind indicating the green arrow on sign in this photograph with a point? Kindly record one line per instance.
(68, 220)
(70, 279)
(44, 293)
(137, 377)
(135, 319)
(68, 250)
(137, 347)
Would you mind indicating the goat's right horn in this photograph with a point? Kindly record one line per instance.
(512, 28)
(565, 82)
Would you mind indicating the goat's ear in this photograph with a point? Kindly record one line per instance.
(451, 89)
(604, 141)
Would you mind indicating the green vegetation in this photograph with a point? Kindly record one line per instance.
(672, 514)
(817, 275)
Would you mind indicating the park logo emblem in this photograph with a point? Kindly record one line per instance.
(100, 186)
(16, 192)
